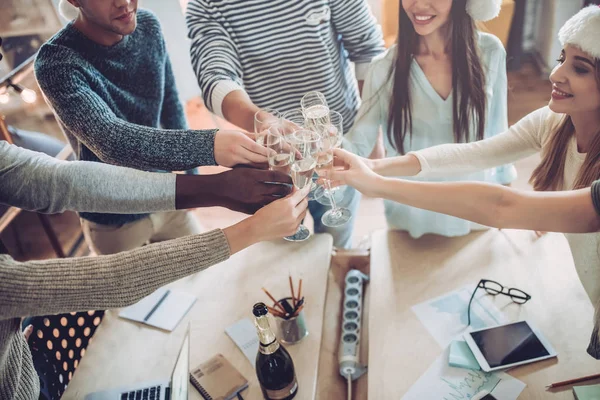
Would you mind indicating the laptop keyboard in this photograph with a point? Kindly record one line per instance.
(152, 393)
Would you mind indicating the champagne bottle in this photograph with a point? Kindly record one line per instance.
(274, 366)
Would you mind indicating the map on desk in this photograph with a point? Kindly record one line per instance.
(443, 382)
(445, 317)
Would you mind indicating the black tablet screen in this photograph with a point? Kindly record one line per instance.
(509, 344)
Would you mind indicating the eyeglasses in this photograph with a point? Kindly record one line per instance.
(516, 295)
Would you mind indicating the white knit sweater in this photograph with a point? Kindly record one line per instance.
(526, 137)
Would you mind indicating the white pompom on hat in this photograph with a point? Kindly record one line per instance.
(583, 30)
(483, 10)
(68, 10)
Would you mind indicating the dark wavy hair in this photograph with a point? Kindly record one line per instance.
(468, 79)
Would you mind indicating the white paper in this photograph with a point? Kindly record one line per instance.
(445, 317)
(167, 316)
(243, 333)
(448, 383)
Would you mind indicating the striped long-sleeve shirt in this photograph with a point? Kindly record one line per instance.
(277, 51)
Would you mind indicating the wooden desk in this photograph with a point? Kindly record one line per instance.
(125, 352)
(405, 272)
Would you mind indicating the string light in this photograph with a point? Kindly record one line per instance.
(27, 95)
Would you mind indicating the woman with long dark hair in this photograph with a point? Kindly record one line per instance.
(443, 82)
(566, 133)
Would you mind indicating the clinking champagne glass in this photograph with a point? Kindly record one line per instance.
(316, 115)
(281, 154)
(337, 216)
(263, 119)
(306, 146)
(315, 109)
(335, 132)
(293, 153)
(295, 120)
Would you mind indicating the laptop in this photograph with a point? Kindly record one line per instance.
(175, 389)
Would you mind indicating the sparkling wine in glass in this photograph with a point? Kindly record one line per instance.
(306, 145)
(316, 117)
(311, 99)
(302, 172)
(316, 110)
(263, 120)
(337, 216)
(281, 163)
(289, 154)
(334, 132)
(294, 120)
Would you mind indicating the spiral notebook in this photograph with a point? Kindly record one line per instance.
(162, 309)
(218, 379)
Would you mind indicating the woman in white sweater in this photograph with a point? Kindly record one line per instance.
(567, 133)
(443, 82)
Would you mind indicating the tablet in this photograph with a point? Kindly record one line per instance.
(509, 345)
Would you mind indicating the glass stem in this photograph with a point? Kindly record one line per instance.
(301, 224)
(331, 195)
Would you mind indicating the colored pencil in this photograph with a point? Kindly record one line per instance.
(572, 381)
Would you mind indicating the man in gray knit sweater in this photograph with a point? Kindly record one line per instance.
(108, 79)
(34, 181)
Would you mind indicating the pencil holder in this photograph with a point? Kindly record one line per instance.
(291, 330)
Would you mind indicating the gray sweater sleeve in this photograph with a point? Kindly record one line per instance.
(104, 282)
(37, 182)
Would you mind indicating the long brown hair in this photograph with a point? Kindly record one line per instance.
(468, 79)
(549, 174)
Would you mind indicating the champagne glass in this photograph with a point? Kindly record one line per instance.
(281, 154)
(294, 120)
(294, 153)
(263, 119)
(316, 116)
(335, 132)
(306, 145)
(311, 99)
(337, 216)
(316, 110)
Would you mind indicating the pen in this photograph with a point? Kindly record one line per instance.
(164, 296)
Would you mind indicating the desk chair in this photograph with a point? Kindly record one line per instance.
(12, 212)
(57, 344)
